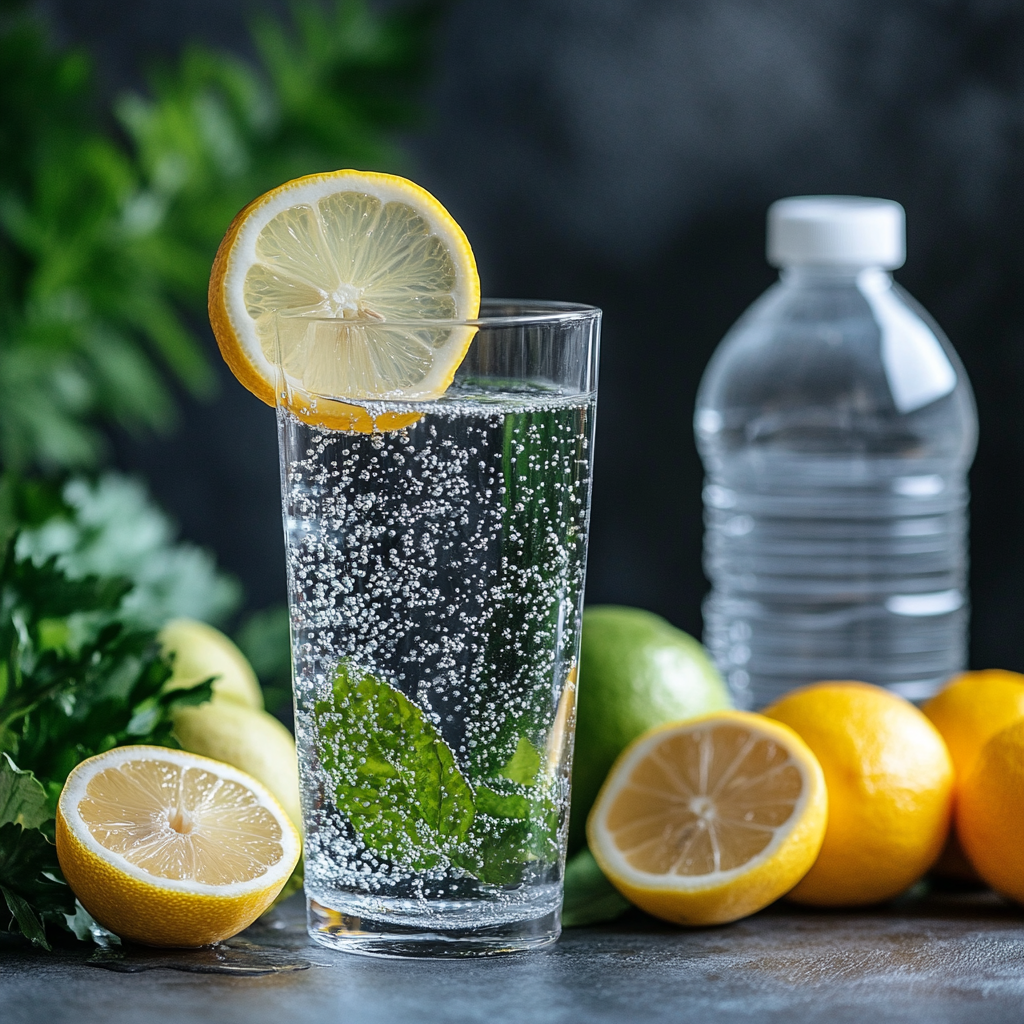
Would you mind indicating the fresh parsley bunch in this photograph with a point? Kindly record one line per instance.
(76, 679)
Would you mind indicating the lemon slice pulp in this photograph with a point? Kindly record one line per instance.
(333, 280)
(169, 848)
(708, 820)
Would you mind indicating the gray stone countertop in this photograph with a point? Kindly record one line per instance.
(937, 958)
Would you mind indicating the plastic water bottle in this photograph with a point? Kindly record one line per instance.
(836, 426)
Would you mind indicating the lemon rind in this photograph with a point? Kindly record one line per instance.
(78, 780)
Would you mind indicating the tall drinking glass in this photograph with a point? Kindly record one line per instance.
(436, 554)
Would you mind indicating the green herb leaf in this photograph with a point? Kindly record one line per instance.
(22, 798)
(111, 528)
(31, 882)
(25, 918)
(509, 831)
(397, 780)
(589, 897)
(524, 765)
(400, 787)
(86, 928)
(76, 680)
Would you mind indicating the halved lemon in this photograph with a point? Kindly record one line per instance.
(323, 288)
(711, 819)
(169, 848)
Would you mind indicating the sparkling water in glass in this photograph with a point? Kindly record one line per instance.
(436, 556)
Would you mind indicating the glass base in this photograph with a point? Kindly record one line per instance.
(373, 936)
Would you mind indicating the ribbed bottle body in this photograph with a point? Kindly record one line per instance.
(836, 494)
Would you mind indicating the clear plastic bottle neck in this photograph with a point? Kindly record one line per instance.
(802, 275)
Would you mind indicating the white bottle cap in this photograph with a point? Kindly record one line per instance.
(836, 231)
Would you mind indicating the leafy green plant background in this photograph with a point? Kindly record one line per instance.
(110, 214)
(109, 218)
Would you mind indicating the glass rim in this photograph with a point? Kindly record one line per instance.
(534, 312)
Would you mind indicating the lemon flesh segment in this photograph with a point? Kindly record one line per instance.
(169, 848)
(704, 801)
(187, 824)
(353, 258)
(358, 265)
(705, 821)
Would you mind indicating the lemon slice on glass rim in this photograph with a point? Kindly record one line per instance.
(710, 819)
(170, 848)
(327, 286)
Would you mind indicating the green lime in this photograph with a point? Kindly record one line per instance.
(636, 671)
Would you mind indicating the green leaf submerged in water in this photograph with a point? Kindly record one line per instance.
(397, 780)
(399, 785)
(510, 830)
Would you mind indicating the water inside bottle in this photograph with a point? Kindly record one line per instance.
(836, 426)
(834, 568)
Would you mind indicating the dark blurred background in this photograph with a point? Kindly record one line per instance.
(623, 153)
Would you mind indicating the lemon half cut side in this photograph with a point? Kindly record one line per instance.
(344, 286)
(711, 819)
(169, 848)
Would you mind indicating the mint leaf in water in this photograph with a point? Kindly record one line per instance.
(516, 819)
(400, 787)
(397, 780)
(512, 827)
(524, 765)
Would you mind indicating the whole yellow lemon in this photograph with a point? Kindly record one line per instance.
(890, 788)
(972, 708)
(201, 651)
(990, 812)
